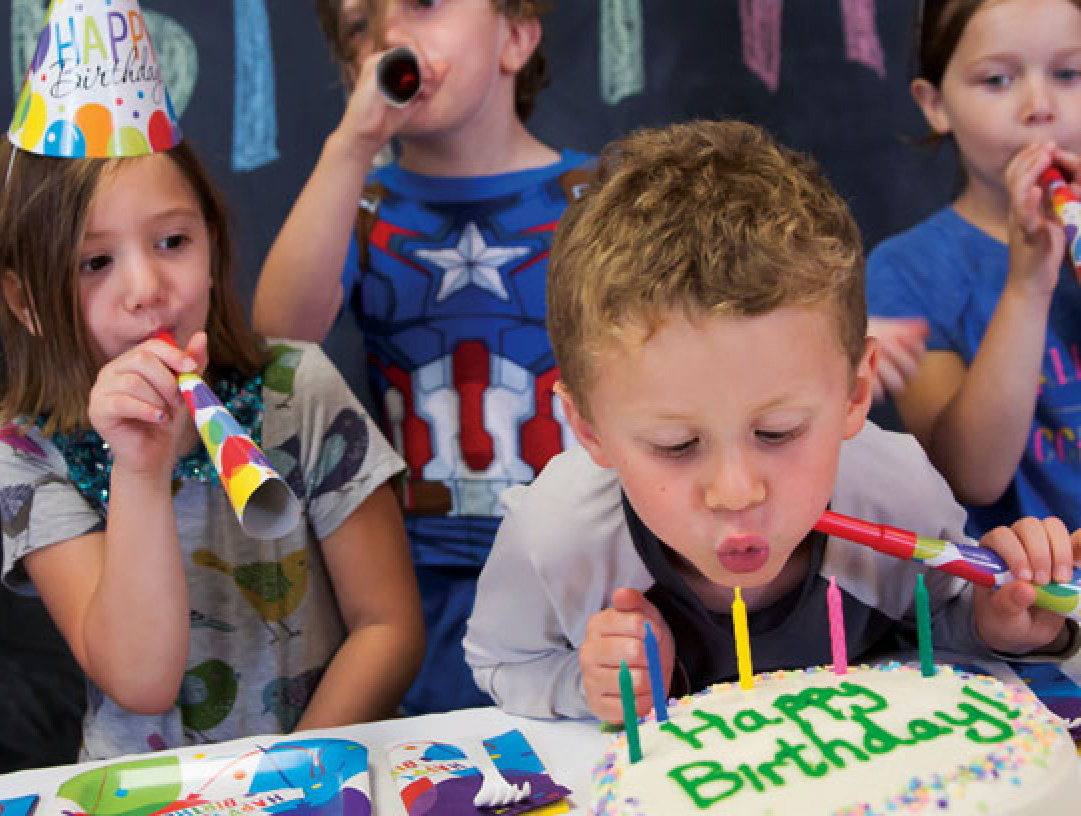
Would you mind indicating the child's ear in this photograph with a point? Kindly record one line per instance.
(929, 100)
(19, 302)
(863, 389)
(582, 427)
(523, 35)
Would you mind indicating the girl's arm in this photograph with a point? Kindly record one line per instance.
(368, 562)
(299, 290)
(120, 597)
(975, 422)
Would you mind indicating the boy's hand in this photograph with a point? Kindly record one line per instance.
(616, 634)
(137, 408)
(1036, 236)
(1036, 552)
(370, 120)
(900, 348)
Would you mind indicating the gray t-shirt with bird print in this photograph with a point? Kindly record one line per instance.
(264, 620)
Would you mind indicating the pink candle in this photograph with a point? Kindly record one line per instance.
(837, 628)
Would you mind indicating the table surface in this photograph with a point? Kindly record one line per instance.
(568, 749)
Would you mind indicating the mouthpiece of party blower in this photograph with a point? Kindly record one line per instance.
(265, 505)
(397, 76)
(1068, 209)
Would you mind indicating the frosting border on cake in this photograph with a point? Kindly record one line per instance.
(1038, 737)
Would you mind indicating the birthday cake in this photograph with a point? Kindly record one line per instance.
(873, 741)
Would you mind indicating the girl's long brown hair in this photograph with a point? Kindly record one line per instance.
(44, 207)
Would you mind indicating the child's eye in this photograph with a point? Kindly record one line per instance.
(173, 241)
(1067, 74)
(773, 438)
(428, 4)
(995, 81)
(677, 450)
(96, 263)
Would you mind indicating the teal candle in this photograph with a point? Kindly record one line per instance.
(923, 629)
(630, 715)
(656, 676)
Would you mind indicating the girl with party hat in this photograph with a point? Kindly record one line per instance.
(112, 239)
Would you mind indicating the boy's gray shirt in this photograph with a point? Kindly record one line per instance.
(565, 546)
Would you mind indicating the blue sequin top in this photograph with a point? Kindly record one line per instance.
(90, 463)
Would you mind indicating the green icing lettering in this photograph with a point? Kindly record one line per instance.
(706, 782)
(712, 722)
(752, 777)
(876, 738)
(694, 776)
(1012, 713)
(1000, 730)
(791, 705)
(748, 720)
(788, 753)
(925, 730)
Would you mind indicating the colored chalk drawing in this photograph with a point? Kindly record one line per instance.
(255, 118)
(760, 25)
(255, 125)
(622, 49)
(862, 44)
(760, 28)
(622, 65)
(275, 775)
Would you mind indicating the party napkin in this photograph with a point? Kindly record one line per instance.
(19, 806)
(264, 776)
(436, 779)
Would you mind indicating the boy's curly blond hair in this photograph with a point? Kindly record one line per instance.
(531, 80)
(703, 218)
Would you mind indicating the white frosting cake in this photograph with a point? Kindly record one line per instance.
(882, 740)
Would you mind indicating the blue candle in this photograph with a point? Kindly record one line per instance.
(656, 677)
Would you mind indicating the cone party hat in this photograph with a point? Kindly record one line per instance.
(94, 88)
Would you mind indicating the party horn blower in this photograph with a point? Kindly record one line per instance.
(1068, 209)
(265, 505)
(397, 76)
(976, 564)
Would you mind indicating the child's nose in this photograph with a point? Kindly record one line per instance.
(1039, 103)
(393, 30)
(143, 284)
(735, 486)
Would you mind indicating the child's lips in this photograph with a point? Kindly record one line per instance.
(743, 553)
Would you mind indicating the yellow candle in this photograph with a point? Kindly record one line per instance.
(743, 643)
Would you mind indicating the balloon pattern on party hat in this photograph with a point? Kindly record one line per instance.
(94, 88)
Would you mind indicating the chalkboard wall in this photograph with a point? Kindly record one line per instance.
(257, 93)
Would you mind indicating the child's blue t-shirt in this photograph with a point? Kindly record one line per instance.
(451, 301)
(449, 291)
(952, 274)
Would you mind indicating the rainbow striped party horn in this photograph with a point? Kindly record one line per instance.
(976, 564)
(1068, 209)
(265, 505)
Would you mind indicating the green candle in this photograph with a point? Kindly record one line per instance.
(923, 629)
(630, 715)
